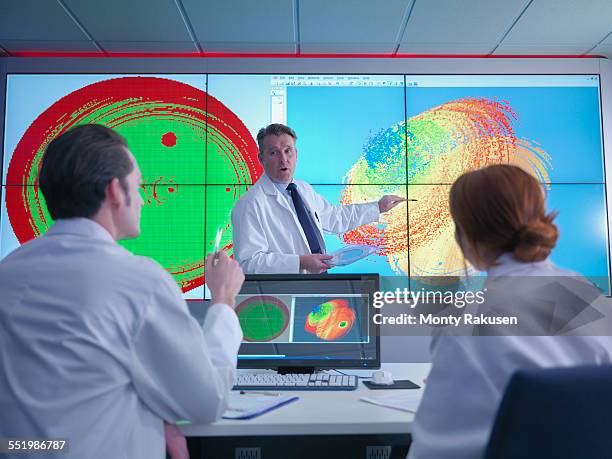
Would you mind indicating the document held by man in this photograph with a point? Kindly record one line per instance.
(350, 254)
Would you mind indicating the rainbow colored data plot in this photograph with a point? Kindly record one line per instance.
(330, 320)
(439, 144)
(262, 318)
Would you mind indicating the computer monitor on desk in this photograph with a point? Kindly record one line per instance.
(300, 323)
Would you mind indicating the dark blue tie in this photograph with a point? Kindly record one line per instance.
(305, 219)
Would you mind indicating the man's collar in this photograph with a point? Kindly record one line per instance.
(267, 185)
(81, 227)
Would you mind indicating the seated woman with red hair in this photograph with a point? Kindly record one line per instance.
(502, 227)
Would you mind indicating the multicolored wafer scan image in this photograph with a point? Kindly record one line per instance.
(330, 320)
(325, 318)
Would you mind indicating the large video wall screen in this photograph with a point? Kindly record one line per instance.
(359, 137)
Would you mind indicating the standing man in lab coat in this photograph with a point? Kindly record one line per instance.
(278, 224)
(97, 345)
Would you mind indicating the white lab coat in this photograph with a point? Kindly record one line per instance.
(268, 237)
(97, 346)
(469, 375)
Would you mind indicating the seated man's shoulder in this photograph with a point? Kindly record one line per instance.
(149, 276)
(141, 267)
(146, 266)
(99, 267)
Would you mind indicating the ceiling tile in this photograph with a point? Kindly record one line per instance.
(247, 47)
(13, 46)
(149, 46)
(326, 26)
(348, 48)
(559, 48)
(234, 21)
(548, 22)
(133, 20)
(351, 21)
(607, 41)
(37, 20)
(466, 21)
(445, 48)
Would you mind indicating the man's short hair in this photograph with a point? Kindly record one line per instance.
(78, 166)
(274, 129)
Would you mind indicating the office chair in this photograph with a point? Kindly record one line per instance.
(560, 413)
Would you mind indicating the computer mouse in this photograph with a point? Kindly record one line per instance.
(384, 378)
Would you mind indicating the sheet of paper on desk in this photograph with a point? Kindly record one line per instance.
(408, 401)
(248, 406)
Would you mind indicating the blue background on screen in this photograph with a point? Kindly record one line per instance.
(583, 239)
(333, 124)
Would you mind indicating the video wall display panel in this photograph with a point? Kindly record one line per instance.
(359, 137)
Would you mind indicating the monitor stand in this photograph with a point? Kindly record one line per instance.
(291, 370)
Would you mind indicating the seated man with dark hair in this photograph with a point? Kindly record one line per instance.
(97, 345)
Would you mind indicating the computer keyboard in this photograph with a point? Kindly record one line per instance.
(275, 381)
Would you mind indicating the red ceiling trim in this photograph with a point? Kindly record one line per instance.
(295, 55)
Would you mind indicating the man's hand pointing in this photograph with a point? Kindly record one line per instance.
(388, 202)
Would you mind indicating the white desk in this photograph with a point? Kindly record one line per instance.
(325, 413)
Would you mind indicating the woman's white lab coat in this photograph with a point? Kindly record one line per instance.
(469, 375)
(268, 237)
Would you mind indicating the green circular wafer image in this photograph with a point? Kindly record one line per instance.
(183, 139)
(262, 318)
